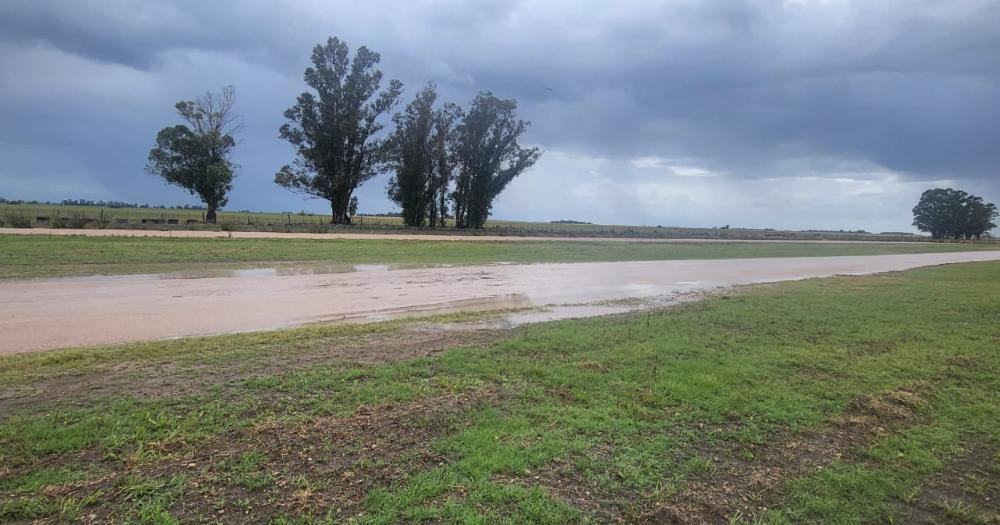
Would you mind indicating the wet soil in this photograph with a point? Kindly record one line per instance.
(155, 379)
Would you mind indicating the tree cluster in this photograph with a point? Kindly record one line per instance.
(948, 213)
(439, 156)
(449, 155)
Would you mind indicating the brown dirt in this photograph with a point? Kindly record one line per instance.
(736, 486)
(166, 379)
(966, 491)
(746, 488)
(320, 466)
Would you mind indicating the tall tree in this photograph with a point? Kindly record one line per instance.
(949, 213)
(335, 129)
(979, 217)
(487, 156)
(196, 156)
(411, 156)
(444, 163)
(420, 156)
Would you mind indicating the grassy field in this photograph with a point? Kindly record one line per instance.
(22, 215)
(842, 400)
(39, 256)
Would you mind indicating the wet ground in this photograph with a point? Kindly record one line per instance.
(40, 314)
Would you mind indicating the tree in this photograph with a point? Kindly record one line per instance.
(420, 156)
(411, 155)
(979, 217)
(487, 157)
(444, 163)
(335, 130)
(196, 157)
(949, 213)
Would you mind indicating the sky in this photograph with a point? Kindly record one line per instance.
(799, 114)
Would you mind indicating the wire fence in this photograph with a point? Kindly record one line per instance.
(43, 215)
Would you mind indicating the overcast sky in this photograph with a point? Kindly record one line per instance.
(787, 114)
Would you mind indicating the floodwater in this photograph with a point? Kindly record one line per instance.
(40, 314)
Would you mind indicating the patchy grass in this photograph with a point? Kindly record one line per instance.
(39, 256)
(841, 400)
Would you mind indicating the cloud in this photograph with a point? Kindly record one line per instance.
(765, 112)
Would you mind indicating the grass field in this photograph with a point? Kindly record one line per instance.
(842, 400)
(21, 215)
(40, 256)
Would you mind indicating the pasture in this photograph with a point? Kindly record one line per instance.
(27, 215)
(837, 400)
(24, 256)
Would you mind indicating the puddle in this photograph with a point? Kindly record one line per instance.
(278, 270)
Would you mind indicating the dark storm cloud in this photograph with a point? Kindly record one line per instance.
(677, 98)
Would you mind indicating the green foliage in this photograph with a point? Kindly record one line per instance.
(247, 471)
(335, 129)
(953, 213)
(487, 157)
(419, 154)
(197, 158)
(151, 498)
(14, 220)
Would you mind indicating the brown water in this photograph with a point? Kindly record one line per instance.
(52, 313)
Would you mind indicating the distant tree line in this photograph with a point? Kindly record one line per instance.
(954, 214)
(446, 161)
(102, 204)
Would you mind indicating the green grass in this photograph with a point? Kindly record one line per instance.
(39, 256)
(564, 422)
(23, 214)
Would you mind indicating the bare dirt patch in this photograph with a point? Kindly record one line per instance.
(157, 379)
(748, 487)
(321, 467)
(736, 485)
(966, 491)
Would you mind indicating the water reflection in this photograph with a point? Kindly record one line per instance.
(276, 270)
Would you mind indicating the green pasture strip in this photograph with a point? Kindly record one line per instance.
(53, 256)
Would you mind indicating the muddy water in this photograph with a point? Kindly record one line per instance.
(53, 313)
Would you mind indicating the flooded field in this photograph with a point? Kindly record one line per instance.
(38, 314)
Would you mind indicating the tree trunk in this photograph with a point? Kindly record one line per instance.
(338, 211)
(210, 213)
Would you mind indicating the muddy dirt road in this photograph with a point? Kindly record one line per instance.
(54, 313)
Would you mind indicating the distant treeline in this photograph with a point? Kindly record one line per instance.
(103, 204)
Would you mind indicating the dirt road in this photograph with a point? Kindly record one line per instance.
(55, 313)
